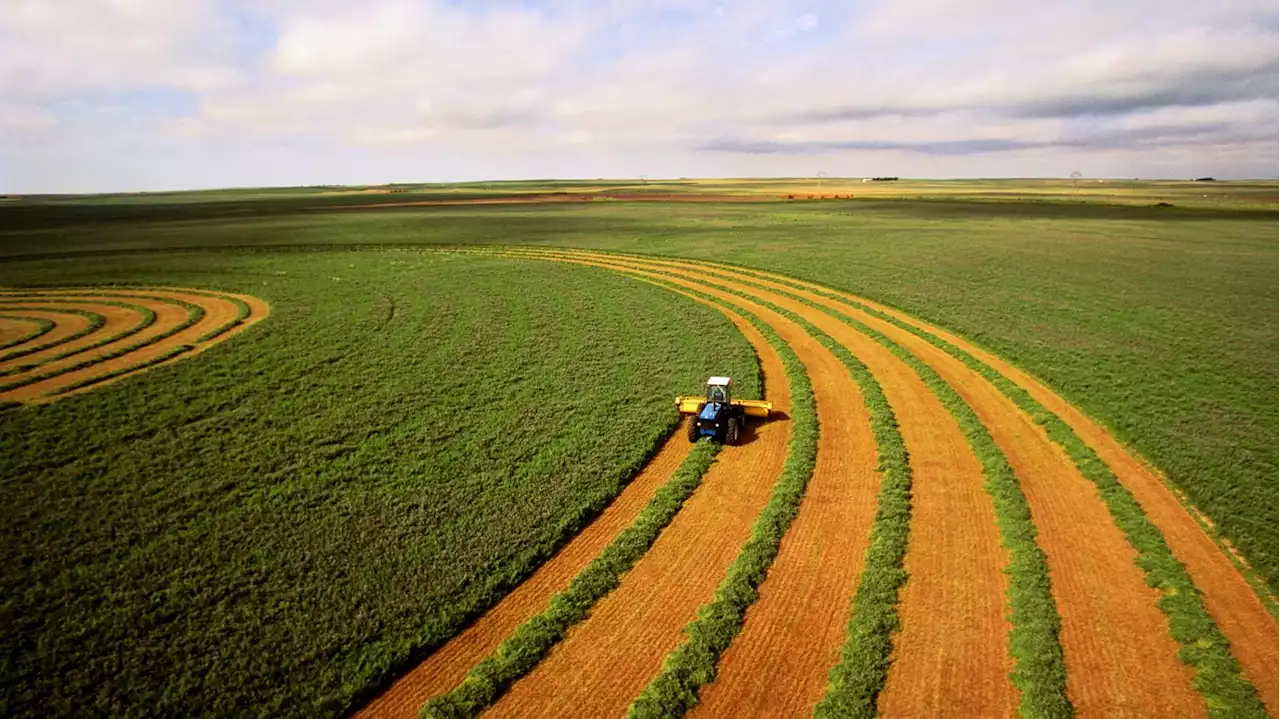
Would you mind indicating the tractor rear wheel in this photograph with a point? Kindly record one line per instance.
(693, 428)
(731, 431)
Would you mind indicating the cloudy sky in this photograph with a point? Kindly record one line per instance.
(102, 95)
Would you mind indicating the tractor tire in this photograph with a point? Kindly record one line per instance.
(693, 429)
(731, 431)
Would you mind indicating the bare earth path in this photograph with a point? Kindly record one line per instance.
(1251, 630)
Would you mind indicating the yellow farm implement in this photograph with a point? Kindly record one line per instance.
(718, 415)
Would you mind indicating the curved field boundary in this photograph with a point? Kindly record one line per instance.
(170, 323)
(115, 328)
(536, 636)
(42, 327)
(604, 661)
(67, 330)
(1227, 634)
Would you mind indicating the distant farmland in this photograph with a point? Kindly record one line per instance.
(383, 451)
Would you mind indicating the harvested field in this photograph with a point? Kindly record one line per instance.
(953, 646)
(104, 334)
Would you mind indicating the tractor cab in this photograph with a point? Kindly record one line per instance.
(718, 390)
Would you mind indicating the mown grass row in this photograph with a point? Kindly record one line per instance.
(693, 663)
(43, 327)
(855, 683)
(96, 321)
(531, 641)
(148, 318)
(195, 313)
(1218, 676)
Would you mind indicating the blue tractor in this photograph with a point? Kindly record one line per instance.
(719, 416)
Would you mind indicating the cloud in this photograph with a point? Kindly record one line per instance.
(539, 86)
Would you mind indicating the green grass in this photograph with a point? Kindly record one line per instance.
(288, 521)
(43, 327)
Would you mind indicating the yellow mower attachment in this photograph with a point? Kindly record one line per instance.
(688, 404)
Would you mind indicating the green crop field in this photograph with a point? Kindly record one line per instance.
(287, 521)
(290, 520)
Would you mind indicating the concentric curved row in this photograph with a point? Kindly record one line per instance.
(964, 542)
(87, 336)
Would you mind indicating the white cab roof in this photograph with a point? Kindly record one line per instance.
(718, 380)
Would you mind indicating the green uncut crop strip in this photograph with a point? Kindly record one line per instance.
(531, 641)
(1217, 673)
(43, 327)
(855, 683)
(194, 314)
(148, 318)
(96, 321)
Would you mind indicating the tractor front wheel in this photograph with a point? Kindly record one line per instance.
(731, 431)
(693, 428)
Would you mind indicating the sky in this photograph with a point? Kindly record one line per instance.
(126, 95)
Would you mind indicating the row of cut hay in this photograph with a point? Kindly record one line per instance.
(1218, 676)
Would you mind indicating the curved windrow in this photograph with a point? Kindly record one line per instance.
(84, 337)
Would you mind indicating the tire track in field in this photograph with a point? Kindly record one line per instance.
(1121, 658)
(605, 661)
(172, 336)
(445, 668)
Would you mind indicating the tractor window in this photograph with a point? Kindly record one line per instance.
(716, 393)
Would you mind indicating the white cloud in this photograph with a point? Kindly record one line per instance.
(508, 84)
